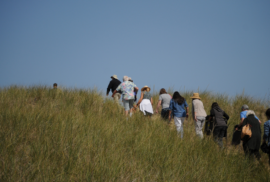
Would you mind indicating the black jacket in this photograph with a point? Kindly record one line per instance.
(114, 83)
(219, 115)
(254, 142)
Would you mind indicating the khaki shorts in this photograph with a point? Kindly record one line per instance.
(117, 97)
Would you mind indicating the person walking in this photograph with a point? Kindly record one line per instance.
(114, 83)
(220, 123)
(179, 108)
(243, 115)
(266, 136)
(251, 145)
(127, 89)
(146, 101)
(164, 101)
(198, 114)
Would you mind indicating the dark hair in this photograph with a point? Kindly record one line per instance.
(55, 84)
(267, 112)
(215, 104)
(162, 91)
(178, 98)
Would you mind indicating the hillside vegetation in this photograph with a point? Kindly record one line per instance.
(78, 135)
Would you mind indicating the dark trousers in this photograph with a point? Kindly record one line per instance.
(251, 152)
(218, 134)
(165, 113)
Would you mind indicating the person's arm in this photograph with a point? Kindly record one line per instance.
(170, 115)
(186, 112)
(195, 118)
(194, 111)
(226, 115)
(136, 89)
(109, 88)
(258, 119)
(114, 93)
(170, 110)
(158, 105)
(151, 101)
(266, 132)
(241, 123)
(186, 106)
(211, 115)
(140, 100)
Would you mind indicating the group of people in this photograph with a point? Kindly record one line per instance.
(176, 106)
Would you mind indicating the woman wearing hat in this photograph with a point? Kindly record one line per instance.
(146, 101)
(198, 114)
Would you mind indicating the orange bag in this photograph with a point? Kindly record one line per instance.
(246, 130)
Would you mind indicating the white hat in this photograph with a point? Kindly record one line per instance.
(114, 76)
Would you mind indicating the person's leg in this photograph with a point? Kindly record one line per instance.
(199, 126)
(182, 127)
(178, 124)
(269, 158)
(246, 150)
(257, 154)
(216, 134)
(221, 136)
(116, 98)
(165, 113)
(126, 106)
(119, 96)
(131, 103)
(202, 125)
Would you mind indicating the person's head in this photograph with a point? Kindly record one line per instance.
(114, 77)
(215, 104)
(55, 85)
(125, 78)
(267, 113)
(178, 98)
(195, 96)
(146, 88)
(244, 107)
(162, 91)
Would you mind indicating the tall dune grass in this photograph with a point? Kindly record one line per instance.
(77, 135)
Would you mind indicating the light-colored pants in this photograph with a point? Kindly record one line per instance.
(117, 97)
(128, 104)
(199, 126)
(179, 125)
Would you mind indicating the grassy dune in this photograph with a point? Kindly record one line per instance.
(77, 135)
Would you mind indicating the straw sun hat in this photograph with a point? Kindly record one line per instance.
(195, 96)
(114, 76)
(145, 87)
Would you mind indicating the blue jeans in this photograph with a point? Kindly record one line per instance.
(165, 113)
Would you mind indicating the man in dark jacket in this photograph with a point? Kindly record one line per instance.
(114, 83)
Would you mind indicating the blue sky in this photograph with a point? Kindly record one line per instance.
(221, 46)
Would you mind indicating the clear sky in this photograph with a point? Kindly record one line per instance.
(221, 46)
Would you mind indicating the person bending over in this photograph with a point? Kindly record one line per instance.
(146, 101)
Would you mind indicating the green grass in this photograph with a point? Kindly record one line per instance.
(77, 135)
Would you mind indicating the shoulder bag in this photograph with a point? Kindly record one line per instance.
(246, 130)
